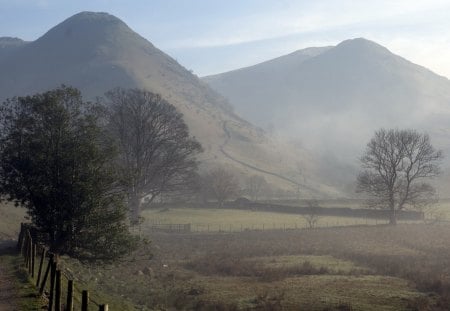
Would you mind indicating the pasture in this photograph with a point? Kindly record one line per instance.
(234, 220)
(344, 267)
(334, 267)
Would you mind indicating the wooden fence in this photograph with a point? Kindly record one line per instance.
(44, 268)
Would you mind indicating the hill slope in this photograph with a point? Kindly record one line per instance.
(97, 51)
(332, 101)
(357, 85)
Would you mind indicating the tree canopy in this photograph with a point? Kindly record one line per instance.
(156, 153)
(56, 161)
(395, 165)
(221, 185)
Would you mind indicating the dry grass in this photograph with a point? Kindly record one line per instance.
(406, 267)
(232, 220)
(349, 268)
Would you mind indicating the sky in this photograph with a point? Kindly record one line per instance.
(213, 36)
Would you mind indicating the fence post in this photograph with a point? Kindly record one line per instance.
(25, 250)
(84, 300)
(41, 262)
(44, 280)
(69, 305)
(30, 252)
(51, 299)
(33, 259)
(103, 308)
(20, 240)
(58, 291)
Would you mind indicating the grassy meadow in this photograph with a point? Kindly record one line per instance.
(344, 267)
(215, 219)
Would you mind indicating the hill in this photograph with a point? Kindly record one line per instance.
(96, 52)
(330, 100)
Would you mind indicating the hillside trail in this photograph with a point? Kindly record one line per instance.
(226, 154)
(9, 296)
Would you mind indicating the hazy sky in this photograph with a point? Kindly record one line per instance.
(212, 36)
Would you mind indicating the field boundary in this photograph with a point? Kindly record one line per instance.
(50, 279)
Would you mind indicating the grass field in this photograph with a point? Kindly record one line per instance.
(375, 267)
(357, 268)
(214, 219)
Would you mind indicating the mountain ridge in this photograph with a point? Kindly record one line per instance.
(332, 103)
(96, 52)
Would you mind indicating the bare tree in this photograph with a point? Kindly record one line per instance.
(255, 186)
(312, 213)
(157, 155)
(221, 185)
(394, 165)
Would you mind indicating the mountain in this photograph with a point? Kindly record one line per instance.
(96, 52)
(8, 45)
(331, 100)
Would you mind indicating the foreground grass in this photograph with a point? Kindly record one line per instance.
(28, 299)
(312, 292)
(84, 280)
(363, 268)
(176, 287)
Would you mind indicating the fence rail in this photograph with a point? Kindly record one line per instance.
(46, 271)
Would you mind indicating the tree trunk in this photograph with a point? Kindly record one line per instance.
(135, 209)
(393, 217)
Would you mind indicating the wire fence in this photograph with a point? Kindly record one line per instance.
(151, 226)
(217, 227)
(54, 282)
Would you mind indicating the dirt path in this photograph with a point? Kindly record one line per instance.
(8, 291)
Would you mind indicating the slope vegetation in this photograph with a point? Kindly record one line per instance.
(96, 52)
(330, 100)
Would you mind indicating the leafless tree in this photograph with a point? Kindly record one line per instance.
(157, 155)
(395, 164)
(312, 213)
(255, 185)
(221, 185)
